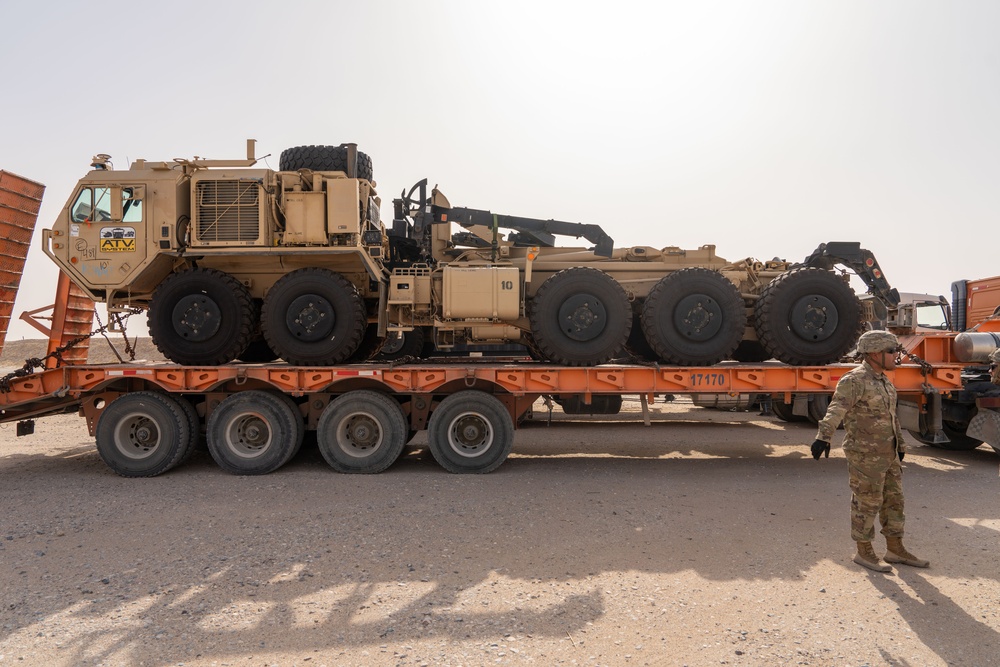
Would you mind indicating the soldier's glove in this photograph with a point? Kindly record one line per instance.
(901, 454)
(820, 447)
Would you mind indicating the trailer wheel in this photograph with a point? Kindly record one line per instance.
(470, 432)
(362, 432)
(313, 317)
(201, 317)
(694, 317)
(323, 158)
(254, 432)
(143, 434)
(407, 344)
(807, 317)
(580, 317)
(783, 411)
(194, 427)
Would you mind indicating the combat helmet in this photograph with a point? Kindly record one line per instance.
(877, 341)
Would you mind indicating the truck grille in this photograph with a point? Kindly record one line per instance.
(228, 211)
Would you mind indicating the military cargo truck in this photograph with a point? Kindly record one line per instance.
(232, 261)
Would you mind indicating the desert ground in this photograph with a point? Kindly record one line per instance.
(709, 538)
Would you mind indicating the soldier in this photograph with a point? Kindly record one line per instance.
(995, 366)
(865, 401)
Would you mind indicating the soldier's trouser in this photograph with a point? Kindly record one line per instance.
(877, 485)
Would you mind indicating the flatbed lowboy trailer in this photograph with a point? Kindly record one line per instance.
(148, 418)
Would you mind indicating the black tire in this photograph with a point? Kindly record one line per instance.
(323, 158)
(808, 317)
(370, 346)
(143, 434)
(637, 345)
(194, 427)
(817, 407)
(409, 344)
(750, 352)
(783, 411)
(362, 432)
(201, 317)
(313, 317)
(580, 317)
(470, 432)
(258, 352)
(694, 317)
(254, 432)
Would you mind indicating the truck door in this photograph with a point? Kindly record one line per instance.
(107, 234)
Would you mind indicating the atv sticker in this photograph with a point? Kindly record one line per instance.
(117, 239)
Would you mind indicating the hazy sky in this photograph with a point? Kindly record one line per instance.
(765, 128)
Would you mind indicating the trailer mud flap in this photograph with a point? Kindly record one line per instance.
(927, 424)
(985, 426)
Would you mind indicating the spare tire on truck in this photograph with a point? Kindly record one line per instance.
(323, 158)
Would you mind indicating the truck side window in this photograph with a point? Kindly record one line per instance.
(92, 205)
(131, 205)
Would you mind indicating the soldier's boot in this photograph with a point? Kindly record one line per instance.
(866, 557)
(897, 553)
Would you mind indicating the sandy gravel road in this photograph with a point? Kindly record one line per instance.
(710, 538)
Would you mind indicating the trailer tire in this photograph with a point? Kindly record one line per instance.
(694, 317)
(201, 317)
(254, 432)
(783, 411)
(470, 432)
(314, 317)
(323, 158)
(580, 317)
(818, 403)
(194, 427)
(362, 432)
(807, 317)
(143, 434)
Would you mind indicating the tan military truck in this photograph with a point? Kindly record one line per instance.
(237, 262)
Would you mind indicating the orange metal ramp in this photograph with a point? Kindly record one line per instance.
(72, 319)
(20, 200)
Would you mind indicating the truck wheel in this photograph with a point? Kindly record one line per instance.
(254, 432)
(313, 317)
(807, 317)
(817, 407)
(257, 352)
(750, 352)
(370, 346)
(580, 317)
(194, 427)
(470, 432)
(143, 434)
(408, 344)
(362, 432)
(694, 317)
(201, 317)
(323, 158)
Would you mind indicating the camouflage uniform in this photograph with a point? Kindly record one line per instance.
(865, 401)
(995, 368)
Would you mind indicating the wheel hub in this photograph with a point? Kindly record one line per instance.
(470, 435)
(361, 435)
(698, 317)
(582, 317)
(310, 318)
(196, 317)
(249, 436)
(814, 317)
